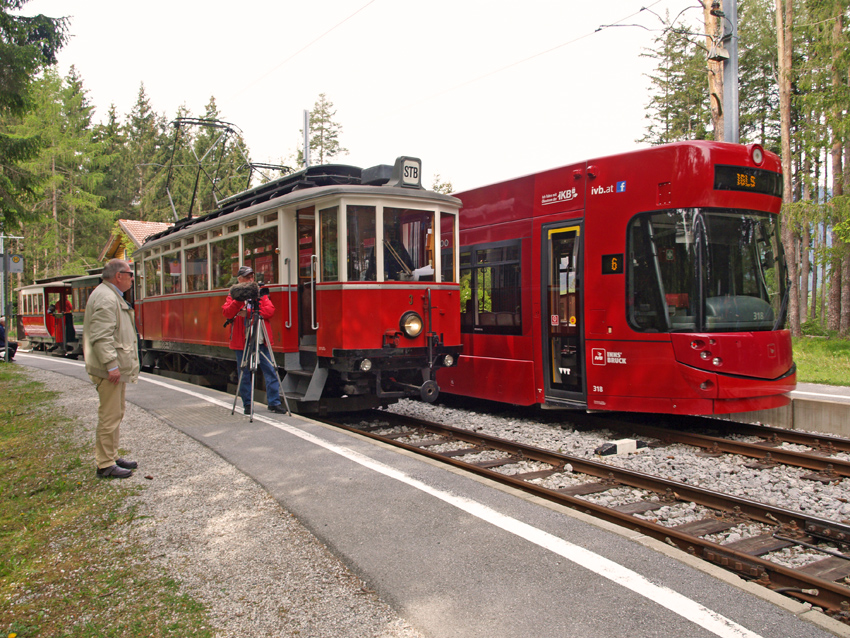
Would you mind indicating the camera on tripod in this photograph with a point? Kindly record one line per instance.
(248, 292)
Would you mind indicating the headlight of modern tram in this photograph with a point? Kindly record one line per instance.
(411, 324)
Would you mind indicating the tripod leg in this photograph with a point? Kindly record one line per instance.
(243, 364)
(267, 355)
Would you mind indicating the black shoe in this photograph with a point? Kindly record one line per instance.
(113, 471)
(247, 409)
(277, 409)
(127, 465)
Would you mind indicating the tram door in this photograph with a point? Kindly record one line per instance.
(307, 273)
(563, 362)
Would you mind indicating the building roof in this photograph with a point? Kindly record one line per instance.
(137, 231)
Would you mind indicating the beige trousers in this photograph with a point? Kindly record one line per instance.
(110, 413)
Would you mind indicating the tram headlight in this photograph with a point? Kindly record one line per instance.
(717, 361)
(411, 324)
(758, 155)
(365, 365)
(448, 361)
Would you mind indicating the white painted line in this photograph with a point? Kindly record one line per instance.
(679, 604)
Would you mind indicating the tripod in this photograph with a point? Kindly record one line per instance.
(256, 335)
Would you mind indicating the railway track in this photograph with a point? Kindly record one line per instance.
(768, 452)
(639, 495)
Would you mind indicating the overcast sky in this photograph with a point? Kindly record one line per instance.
(481, 91)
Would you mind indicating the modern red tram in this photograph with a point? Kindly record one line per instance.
(367, 299)
(652, 281)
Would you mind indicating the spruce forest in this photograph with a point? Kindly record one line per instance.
(65, 178)
(793, 99)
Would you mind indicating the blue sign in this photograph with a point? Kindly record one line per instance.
(621, 187)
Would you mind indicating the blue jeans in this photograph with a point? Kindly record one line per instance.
(272, 384)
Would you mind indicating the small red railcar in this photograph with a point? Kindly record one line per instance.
(51, 311)
(651, 281)
(366, 297)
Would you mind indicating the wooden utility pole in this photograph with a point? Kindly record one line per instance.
(715, 66)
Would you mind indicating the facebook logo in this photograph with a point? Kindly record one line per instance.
(621, 187)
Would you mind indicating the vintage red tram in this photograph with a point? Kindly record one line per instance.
(651, 281)
(366, 296)
(50, 313)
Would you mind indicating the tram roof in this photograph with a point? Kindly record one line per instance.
(309, 183)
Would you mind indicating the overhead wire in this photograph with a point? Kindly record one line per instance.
(522, 61)
(302, 49)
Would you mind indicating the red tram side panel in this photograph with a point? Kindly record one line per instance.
(651, 281)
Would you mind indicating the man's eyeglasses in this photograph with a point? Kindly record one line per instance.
(127, 272)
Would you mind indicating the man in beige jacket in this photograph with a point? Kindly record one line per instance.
(110, 348)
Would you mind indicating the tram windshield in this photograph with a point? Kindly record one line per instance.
(705, 270)
(404, 242)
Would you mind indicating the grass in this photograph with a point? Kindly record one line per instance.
(822, 360)
(68, 563)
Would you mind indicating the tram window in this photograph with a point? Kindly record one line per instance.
(260, 251)
(329, 225)
(701, 270)
(408, 245)
(196, 269)
(171, 281)
(152, 271)
(491, 289)
(447, 246)
(360, 242)
(225, 262)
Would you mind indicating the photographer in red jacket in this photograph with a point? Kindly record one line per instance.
(245, 299)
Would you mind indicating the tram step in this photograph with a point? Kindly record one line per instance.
(301, 373)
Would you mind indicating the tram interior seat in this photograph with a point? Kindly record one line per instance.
(498, 319)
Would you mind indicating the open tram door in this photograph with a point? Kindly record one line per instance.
(563, 360)
(307, 273)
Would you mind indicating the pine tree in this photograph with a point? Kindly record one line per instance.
(115, 187)
(65, 231)
(324, 132)
(679, 107)
(27, 45)
(146, 139)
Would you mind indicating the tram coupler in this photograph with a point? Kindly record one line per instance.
(428, 391)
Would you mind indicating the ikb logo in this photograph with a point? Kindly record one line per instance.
(598, 356)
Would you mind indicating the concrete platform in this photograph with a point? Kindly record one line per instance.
(460, 557)
(821, 408)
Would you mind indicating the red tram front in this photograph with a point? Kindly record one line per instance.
(45, 317)
(366, 296)
(652, 281)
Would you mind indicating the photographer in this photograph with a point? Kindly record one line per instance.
(245, 299)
